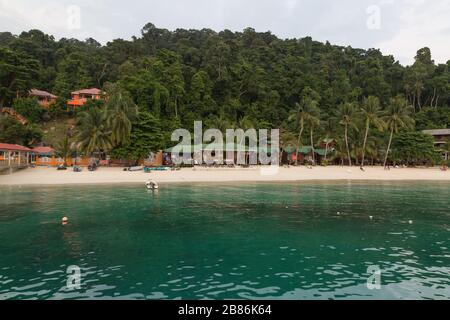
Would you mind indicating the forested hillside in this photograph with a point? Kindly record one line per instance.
(228, 79)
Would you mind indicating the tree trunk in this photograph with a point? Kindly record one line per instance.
(432, 99)
(419, 94)
(176, 108)
(326, 150)
(365, 141)
(299, 141)
(346, 144)
(312, 146)
(389, 147)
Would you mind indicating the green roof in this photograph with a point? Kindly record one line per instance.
(305, 150)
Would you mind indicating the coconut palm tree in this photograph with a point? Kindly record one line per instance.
(121, 112)
(397, 117)
(219, 122)
(63, 149)
(346, 115)
(313, 120)
(371, 113)
(340, 151)
(329, 131)
(287, 139)
(94, 134)
(305, 111)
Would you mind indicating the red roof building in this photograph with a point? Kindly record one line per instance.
(44, 97)
(43, 150)
(13, 147)
(14, 156)
(80, 97)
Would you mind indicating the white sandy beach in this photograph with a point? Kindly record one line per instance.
(50, 176)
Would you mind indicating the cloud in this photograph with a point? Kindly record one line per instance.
(421, 24)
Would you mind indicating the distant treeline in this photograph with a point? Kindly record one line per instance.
(226, 78)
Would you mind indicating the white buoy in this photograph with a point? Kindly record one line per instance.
(338, 213)
(410, 222)
(371, 217)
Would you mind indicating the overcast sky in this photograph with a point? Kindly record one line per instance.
(397, 27)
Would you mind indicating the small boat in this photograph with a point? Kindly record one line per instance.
(151, 185)
(137, 168)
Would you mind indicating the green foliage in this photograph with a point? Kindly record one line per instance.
(121, 112)
(63, 148)
(226, 77)
(432, 118)
(29, 108)
(414, 148)
(146, 137)
(17, 72)
(12, 131)
(94, 134)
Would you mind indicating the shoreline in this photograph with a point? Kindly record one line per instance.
(50, 176)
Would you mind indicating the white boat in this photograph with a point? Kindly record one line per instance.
(151, 185)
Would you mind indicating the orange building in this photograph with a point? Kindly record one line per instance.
(44, 98)
(46, 156)
(80, 97)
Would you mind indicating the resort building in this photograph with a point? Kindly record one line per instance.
(80, 97)
(44, 156)
(44, 98)
(14, 156)
(305, 154)
(441, 138)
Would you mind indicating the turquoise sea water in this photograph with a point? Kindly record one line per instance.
(252, 241)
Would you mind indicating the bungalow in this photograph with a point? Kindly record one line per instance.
(441, 138)
(305, 154)
(44, 98)
(14, 156)
(80, 97)
(44, 156)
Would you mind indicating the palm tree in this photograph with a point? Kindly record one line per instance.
(305, 110)
(94, 134)
(397, 117)
(371, 113)
(219, 122)
(328, 134)
(340, 151)
(346, 115)
(313, 120)
(121, 112)
(287, 139)
(64, 149)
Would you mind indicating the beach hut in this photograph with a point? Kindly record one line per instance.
(14, 156)
(305, 154)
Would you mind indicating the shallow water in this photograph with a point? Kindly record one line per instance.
(253, 241)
